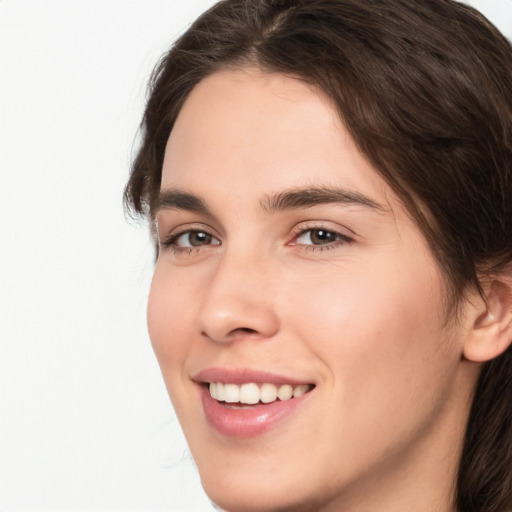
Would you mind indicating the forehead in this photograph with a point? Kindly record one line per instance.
(260, 132)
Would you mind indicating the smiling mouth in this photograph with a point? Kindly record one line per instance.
(234, 395)
(243, 403)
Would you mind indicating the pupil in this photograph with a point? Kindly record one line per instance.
(198, 238)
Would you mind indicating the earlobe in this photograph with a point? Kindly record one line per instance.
(491, 333)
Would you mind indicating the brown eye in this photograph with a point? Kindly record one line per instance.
(198, 238)
(321, 236)
(192, 238)
(318, 237)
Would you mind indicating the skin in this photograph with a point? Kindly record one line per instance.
(361, 315)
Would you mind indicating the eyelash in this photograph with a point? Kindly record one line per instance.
(301, 230)
(170, 242)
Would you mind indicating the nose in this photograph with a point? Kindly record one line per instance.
(237, 302)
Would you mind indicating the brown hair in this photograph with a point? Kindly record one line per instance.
(425, 89)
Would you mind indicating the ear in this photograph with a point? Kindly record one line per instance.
(491, 333)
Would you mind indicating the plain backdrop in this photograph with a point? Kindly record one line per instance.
(85, 422)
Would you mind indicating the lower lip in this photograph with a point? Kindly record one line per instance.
(247, 422)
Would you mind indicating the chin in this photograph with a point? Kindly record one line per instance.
(257, 500)
(261, 491)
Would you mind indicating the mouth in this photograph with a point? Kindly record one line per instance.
(245, 403)
(249, 394)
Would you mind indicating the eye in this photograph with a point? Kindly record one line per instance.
(318, 237)
(190, 239)
(321, 237)
(193, 239)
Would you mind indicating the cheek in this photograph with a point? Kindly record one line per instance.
(168, 320)
(365, 300)
(378, 333)
(388, 363)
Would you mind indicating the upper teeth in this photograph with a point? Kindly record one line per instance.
(253, 393)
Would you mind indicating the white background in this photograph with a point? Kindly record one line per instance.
(85, 422)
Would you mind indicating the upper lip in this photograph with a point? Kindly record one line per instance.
(243, 376)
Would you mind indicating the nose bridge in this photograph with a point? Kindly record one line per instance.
(238, 299)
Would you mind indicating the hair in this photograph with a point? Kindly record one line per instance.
(425, 89)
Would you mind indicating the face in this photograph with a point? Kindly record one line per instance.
(291, 281)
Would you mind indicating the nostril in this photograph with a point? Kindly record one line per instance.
(233, 334)
(242, 332)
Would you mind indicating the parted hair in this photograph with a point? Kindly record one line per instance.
(425, 89)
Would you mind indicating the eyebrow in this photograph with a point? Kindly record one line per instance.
(179, 200)
(309, 197)
(293, 199)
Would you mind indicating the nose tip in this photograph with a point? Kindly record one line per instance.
(238, 297)
(237, 318)
(238, 300)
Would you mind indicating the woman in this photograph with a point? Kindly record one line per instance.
(330, 187)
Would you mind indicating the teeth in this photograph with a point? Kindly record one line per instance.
(268, 393)
(251, 393)
(231, 393)
(285, 392)
(300, 390)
